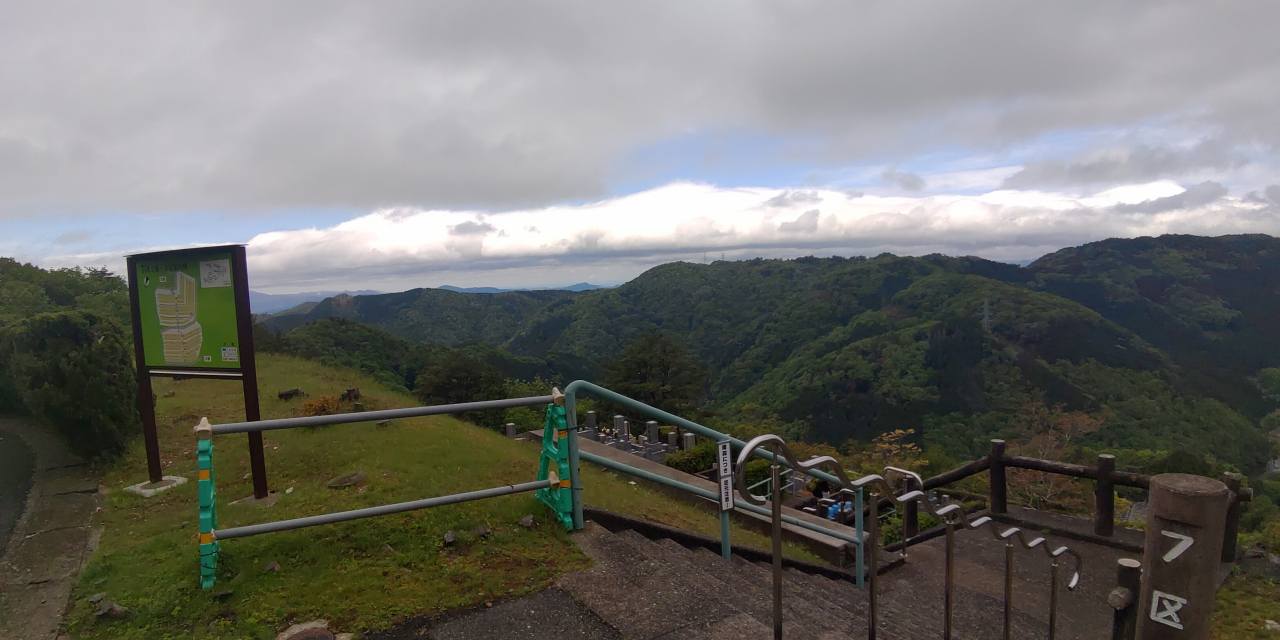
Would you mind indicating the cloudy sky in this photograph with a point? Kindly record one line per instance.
(390, 145)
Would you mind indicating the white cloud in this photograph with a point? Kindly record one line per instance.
(615, 239)
(171, 107)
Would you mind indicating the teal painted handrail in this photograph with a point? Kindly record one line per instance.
(714, 496)
(588, 388)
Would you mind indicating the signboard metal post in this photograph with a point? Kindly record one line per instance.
(724, 457)
(191, 318)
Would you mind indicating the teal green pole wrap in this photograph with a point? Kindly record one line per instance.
(207, 495)
(554, 462)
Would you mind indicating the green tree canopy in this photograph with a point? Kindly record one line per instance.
(659, 371)
(458, 378)
(73, 369)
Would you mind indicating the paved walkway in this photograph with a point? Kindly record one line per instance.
(52, 538)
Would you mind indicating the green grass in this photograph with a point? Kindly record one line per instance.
(360, 575)
(1243, 604)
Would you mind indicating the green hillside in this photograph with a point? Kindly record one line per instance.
(1160, 339)
(360, 575)
(431, 315)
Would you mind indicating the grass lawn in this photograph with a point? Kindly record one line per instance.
(360, 575)
(1243, 606)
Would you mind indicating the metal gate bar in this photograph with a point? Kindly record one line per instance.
(374, 416)
(380, 510)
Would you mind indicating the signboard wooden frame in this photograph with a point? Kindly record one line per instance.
(191, 318)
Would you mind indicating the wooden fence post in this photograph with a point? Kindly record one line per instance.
(1180, 556)
(1104, 497)
(1124, 599)
(998, 496)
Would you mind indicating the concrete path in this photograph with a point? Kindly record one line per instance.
(16, 464)
(546, 614)
(52, 538)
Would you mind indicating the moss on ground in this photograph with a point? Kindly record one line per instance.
(1243, 606)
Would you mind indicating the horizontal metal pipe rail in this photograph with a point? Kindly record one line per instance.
(786, 473)
(380, 510)
(373, 416)
(714, 496)
(595, 390)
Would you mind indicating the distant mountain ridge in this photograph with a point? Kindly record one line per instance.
(1157, 338)
(579, 286)
(264, 303)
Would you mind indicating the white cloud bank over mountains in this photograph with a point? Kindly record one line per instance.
(613, 240)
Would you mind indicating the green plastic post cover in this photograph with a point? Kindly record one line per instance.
(208, 520)
(555, 460)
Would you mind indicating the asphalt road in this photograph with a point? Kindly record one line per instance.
(16, 460)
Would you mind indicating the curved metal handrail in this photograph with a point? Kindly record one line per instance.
(880, 486)
(778, 447)
(953, 514)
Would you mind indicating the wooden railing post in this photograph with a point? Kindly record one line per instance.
(1104, 497)
(1180, 556)
(911, 512)
(1232, 480)
(998, 496)
(1124, 599)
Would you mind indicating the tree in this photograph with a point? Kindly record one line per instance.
(658, 371)
(1269, 382)
(457, 378)
(1051, 435)
(73, 369)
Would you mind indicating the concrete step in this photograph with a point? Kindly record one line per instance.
(805, 620)
(753, 596)
(641, 596)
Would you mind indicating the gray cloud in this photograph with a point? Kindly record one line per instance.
(902, 179)
(806, 222)
(214, 106)
(790, 197)
(471, 228)
(1139, 163)
(1196, 195)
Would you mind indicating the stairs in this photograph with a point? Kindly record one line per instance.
(659, 590)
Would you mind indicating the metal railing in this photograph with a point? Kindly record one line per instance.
(584, 387)
(882, 487)
(211, 535)
(767, 483)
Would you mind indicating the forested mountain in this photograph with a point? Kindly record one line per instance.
(1156, 341)
(432, 315)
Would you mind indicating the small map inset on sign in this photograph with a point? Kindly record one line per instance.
(215, 273)
(176, 312)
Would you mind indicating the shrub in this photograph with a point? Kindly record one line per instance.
(73, 369)
(322, 406)
(697, 459)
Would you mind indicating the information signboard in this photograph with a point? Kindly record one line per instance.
(724, 456)
(190, 314)
(187, 309)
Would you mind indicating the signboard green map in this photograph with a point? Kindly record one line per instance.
(187, 309)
